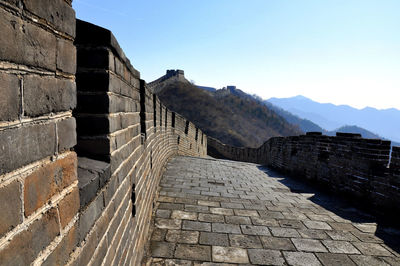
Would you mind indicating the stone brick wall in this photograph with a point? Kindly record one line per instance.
(125, 137)
(347, 164)
(83, 141)
(39, 197)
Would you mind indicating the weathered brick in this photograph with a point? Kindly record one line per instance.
(46, 181)
(61, 254)
(24, 247)
(69, 207)
(90, 215)
(10, 206)
(10, 100)
(26, 43)
(20, 146)
(57, 12)
(66, 133)
(66, 56)
(43, 95)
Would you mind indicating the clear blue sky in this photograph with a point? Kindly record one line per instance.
(339, 51)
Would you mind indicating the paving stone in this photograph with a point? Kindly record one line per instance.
(329, 259)
(320, 217)
(196, 226)
(342, 226)
(310, 245)
(366, 228)
(245, 241)
(342, 235)
(212, 218)
(271, 215)
(372, 249)
(246, 213)
(221, 211)
(278, 243)
(229, 254)
(193, 252)
(317, 225)
(208, 203)
(179, 236)
(392, 260)
(186, 201)
(264, 221)
(284, 232)
(362, 260)
(226, 228)
(215, 239)
(196, 208)
(162, 249)
(294, 216)
(255, 230)
(367, 237)
(312, 233)
(237, 220)
(266, 257)
(340, 247)
(170, 206)
(182, 215)
(301, 258)
(232, 205)
(168, 223)
(291, 224)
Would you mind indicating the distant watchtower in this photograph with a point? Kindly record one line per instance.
(178, 73)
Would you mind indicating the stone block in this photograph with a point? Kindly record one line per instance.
(92, 175)
(310, 245)
(216, 239)
(179, 236)
(90, 215)
(66, 56)
(26, 43)
(226, 228)
(193, 252)
(61, 254)
(168, 223)
(69, 207)
(43, 95)
(245, 241)
(162, 249)
(66, 133)
(255, 230)
(20, 146)
(57, 12)
(11, 207)
(48, 180)
(196, 226)
(229, 254)
(266, 257)
(301, 258)
(10, 102)
(26, 245)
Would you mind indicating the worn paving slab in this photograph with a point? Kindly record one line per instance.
(219, 212)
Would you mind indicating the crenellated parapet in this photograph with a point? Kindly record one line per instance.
(362, 169)
(83, 141)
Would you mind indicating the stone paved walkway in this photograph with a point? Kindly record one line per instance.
(217, 212)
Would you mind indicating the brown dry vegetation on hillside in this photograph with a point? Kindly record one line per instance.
(231, 119)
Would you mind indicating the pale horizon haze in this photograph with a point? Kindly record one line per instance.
(341, 52)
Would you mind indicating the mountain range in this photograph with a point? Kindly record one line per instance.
(228, 114)
(384, 123)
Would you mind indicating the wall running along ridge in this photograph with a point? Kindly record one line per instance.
(348, 164)
(83, 142)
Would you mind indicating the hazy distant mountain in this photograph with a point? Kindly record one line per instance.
(304, 124)
(384, 122)
(354, 129)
